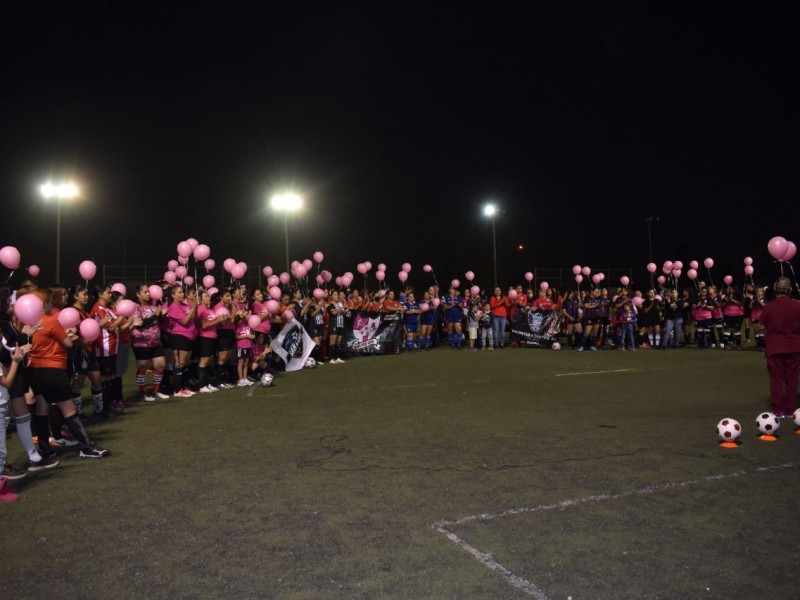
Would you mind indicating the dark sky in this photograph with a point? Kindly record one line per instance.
(397, 122)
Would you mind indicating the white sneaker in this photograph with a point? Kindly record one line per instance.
(161, 396)
(148, 398)
(250, 382)
(182, 394)
(212, 388)
(205, 390)
(243, 383)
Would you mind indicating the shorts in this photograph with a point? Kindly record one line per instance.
(206, 346)
(182, 343)
(428, 318)
(315, 331)
(52, 384)
(452, 318)
(147, 353)
(733, 322)
(166, 340)
(335, 330)
(412, 327)
(84, 362)
(473, 333)
(244, 352)
(226, 340)
(108, 365)
(20, 386)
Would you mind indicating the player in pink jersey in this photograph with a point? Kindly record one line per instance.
(146, 344)
(244, 347)
(226, 339)
(732, 315)
(183, 333)
(207, 323)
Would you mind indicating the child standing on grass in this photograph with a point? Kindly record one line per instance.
(474, 314)
(485, 324)
(626, 318)
(244, 349)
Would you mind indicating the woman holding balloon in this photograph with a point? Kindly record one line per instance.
(226, 337)
(183, 333)
(47, 370)
(146, 344)
(105, 346)
(84, 361)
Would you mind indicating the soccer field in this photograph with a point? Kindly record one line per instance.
(509, 474)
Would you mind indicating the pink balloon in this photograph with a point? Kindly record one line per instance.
(586, 271)
(119, 287)
(241, 268)
(69, 317)
(273, 306)
(339, 281)
(777, 247)
(29, 309)
(212, 290)
(90, 330)
(791, 250)
(318, 294)
(284, 278)
(308, 264)
(202, 252)
(436, 302)
(424, 307)
(368, 264)
(228, 264)
(87, 269)
(624, 280)
(9, 257)
(273, 280)
(181, 271)
(637, 301)
(469, 275)
(222, 312)
(184, 249)
(474, 290)
(728, 279)
(665, 270)
(183, 260)
(254, 321)
(294, 264)
(320, 279)
(676, 272)
(748, 261)
(192, 243)
(267, 271)
(748, 270)
(691, 273)
(381, 267)
(677, 265)
(170, 277)
(156, 293)
(125, 308)
(407, 267)
(209, 264)
(668, 265)
(578, 278)
(209, 281)
(301, 271)
(455, 283)
(658, 297)
(34, 270)
(661, 279)
(576, 270)
(188, 280)
(361, 268)
(327, 276)
(708, 263)
(402, 276)
(596, 278)
(602, 276)
(544, 285)
(528, 276)
(512, 293)
(380, 275)
(651, 267)
(694, 264)
(288, 314)
(172, 265)
(427, 268)
(319, 257)
(275, 293)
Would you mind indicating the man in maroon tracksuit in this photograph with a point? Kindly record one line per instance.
(781, 318)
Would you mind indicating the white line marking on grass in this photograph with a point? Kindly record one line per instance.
(527, 586)
(594, 372)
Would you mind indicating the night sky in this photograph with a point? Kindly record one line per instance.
(397, 122)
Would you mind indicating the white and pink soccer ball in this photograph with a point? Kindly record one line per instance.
(556, 346)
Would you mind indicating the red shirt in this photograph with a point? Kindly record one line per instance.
(106, 343)
(499, 306)
(781, 317)
(46, 350)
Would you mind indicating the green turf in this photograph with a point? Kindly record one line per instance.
(328, 485)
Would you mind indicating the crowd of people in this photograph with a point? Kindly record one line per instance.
(192, 341)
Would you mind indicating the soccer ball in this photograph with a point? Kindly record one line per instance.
(556, 346)
(267, 379)
(728, 430)
(767, 423)
(311, 363)
(796, 417)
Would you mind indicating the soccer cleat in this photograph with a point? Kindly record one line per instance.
(12, 472)
(243, 383)
(61, 442)
(579, 349)
(148, 398)
(7, 494)
(47, 462)
(593, 348)
(161, 396)
(94, 452)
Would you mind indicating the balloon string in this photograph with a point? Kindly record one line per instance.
(10, 275)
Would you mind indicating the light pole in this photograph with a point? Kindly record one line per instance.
(58, 192)
(286, 203)
(490, 210)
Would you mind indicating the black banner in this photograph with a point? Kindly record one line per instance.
(372, 333)
(535, 329)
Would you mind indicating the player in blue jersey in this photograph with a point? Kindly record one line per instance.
(428, 318)
(411, 312)
(453, 314)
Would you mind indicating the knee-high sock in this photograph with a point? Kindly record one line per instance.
(77, 430)
(25, 436)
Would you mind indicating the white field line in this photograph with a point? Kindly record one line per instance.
(594, 372)
(527, 586)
